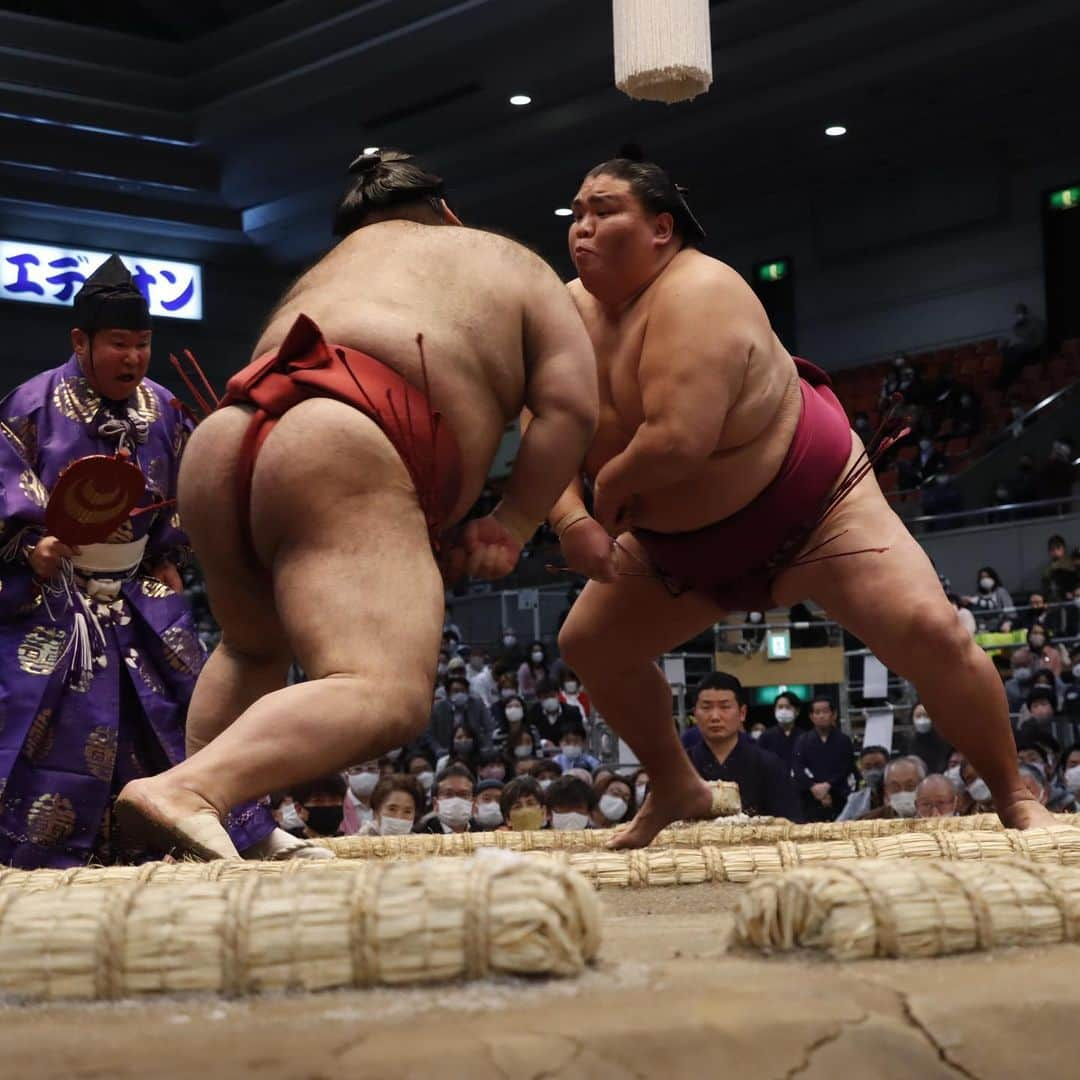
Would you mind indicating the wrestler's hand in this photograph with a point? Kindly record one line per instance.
(614, 512)
(491, 550)
(48, 554)
(589, 550)
(167, 574)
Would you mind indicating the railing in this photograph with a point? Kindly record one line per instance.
(995, 515)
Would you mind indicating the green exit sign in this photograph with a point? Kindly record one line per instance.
(773, 271)
(1065, 199)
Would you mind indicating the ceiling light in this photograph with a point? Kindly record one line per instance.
(836, 130)
(521, 99)
(371, 149)
(563, 211)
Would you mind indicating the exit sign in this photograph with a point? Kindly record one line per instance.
(772, 271)
(1065, 199)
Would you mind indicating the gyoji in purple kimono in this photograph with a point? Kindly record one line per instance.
(98, 650)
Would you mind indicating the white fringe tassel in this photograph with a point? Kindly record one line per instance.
(663, 48)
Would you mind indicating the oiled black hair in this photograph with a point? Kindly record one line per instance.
(379, 181)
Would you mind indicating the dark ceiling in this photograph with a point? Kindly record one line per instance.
(221, 130)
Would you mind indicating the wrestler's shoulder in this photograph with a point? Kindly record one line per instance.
(693, 269)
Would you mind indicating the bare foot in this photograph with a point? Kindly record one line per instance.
(1027, 813)
(657, 812)
(173, 821)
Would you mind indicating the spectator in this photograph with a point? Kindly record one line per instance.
(600, 776)
(1071, 697)
(902, 379)
(868, 796)
(523, 805)
(753, 634)
(780, 740)
(455, 792)
(397, 802)
(481, 680)
(524, 766)
(1060, 578)
(1024, 345)
(421, 765)
(902, 777)
(512, 725)
(442, 666)
(1039, 653)
(491, 765)
(982, 802)
(572, 693)
(319, 805)
(451, 639)
(545, 772)
(640, 783)
(571, 802)
(1071, 776)
(532, 670)
(1035, 782)
(808, 631)
(966, 415)
(512, 655)
(823, 763)
(967, 620)
(550, 716)
(726, 752)
(756, 730)
(362, 781)
(1058, 473)
(460, 710)
(860, 424)
(935, 797)
(927, 463)
(572, 753)
(992, 601)
(489, 814)
(1042, 711)
(463, 750)
(615, 802)
(926, 743)
(1038, 614)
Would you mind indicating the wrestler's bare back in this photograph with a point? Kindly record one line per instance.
(765, 398)
(466, 291)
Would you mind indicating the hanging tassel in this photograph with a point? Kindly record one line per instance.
(663, 49)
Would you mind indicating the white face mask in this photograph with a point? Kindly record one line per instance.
(571, 821)
(537, 656)
(979, 790)
(550, 705)
(784, 717)
(613, 808)
(923, 724)
(507, 692)
(394, 754)
(544, 784)
(523, 751)
(903, 803)
(394, 826)
(986, 583)
(363, 784)
(290, 818)
(571, 687)
(509, 641)
(1072, 779)
(755, 734)
(755, 616)
(640, 792)
(426, 778)
(454, 812)
(489, 814)
(571, 751)
(514, 713)
(953, 776)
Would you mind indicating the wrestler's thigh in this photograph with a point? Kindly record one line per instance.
(883, 598)
(239, 590)
(635, 618)
(335, 514)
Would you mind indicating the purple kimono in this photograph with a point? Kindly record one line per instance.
(77, 723)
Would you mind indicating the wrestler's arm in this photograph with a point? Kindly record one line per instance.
(694, 360)
(561, 404)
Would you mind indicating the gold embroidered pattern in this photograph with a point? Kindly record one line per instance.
(100, 752)
(153, 588)
(76, 399)
(39, 739)
(22, 433)
(40, 650)
(146, 403)
(182, 650)
(51, 819)
(149, 678)
(33, 488)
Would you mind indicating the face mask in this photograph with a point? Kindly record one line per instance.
(1036, 641)
(524, 750)
(454, 812)
(953, 776)
(514, 714)
(527, 818)
(986, 583)
(509, 641)
(489, 814)
(1072, 779)
(903, 803)
(324, 820)
(925, 445)
(567, 822)
(550, 705)
(640, 792)
(507, 692)
(873, 777)
(363, 784)
(463, 746)
(785, 716)
(755, 734)
(290, 818)
(440, 693)
(613, 808)
(394, 826)
(537, 656)
(979, 790)
(442, 668)
(394, 754)
(459, 700)
(923, 724)
(544, 784)
(570, 687)
(571, 751)
(754, 616)
(1022, 674)
(426, 778)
